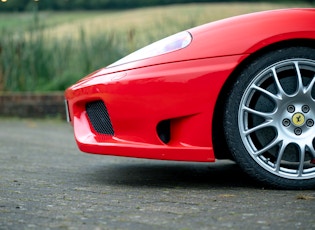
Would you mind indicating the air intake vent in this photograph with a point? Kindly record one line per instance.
(164, 131)
(99, 117)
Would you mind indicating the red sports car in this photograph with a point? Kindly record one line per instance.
(240, 88)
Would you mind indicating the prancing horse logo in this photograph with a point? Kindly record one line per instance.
(298, 119)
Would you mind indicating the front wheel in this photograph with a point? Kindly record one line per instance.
(270, 115)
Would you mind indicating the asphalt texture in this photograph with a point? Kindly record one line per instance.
(47, 183)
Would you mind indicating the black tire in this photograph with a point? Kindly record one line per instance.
(268, 119)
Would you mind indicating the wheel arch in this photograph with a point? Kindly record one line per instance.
(219, 144)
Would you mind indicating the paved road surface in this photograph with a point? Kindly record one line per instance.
(47, 183)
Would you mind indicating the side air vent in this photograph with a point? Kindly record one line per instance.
(163, 130)
(99, 117)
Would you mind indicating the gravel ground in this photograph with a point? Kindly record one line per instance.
(47, 183)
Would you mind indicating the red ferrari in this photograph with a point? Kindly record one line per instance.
(240, 88)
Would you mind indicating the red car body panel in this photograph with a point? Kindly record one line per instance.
(181, 86)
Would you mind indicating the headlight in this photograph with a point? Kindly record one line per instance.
(172, 43)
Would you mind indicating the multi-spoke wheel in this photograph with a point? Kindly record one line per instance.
(270, 115)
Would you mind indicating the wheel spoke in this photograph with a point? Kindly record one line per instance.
(258, 127)
(308, 90)
(299, 78)
(279, 157)
(278, 85)
(267, 116)
(275, 142)
(312, 150)
(271, 95)
(301, 159)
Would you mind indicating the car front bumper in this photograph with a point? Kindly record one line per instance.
(136, 102)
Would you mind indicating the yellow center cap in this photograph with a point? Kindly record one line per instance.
(298, 119)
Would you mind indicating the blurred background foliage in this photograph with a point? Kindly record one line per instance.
(46, 47)
(22, 5)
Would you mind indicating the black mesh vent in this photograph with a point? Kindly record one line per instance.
(99, 117)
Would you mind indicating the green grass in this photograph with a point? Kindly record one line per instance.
(25, 20)
(49, 51)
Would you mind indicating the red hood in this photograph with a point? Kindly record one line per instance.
(236, 35)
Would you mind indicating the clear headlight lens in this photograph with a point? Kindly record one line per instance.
(172, 43)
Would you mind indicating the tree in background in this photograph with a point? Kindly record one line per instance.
(13, 5)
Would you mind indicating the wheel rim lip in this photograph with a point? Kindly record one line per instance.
(285, 135)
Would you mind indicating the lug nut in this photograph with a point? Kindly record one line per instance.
(286, 122)
(309, 122)
(291, 108)
(305, 108)
(298, 131)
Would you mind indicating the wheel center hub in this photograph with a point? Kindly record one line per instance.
(298, 119)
